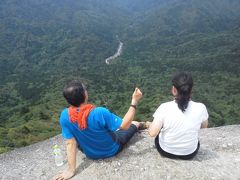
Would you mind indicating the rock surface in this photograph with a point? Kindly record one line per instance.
(218, 158)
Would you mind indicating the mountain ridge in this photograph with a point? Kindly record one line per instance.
(44, 44)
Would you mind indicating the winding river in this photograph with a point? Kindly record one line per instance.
(117, 53)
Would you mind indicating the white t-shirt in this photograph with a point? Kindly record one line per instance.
(179, 133)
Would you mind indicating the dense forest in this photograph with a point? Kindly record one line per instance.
(46, 43)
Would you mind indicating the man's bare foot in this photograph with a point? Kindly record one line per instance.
(148, 124)
(136, 123)
(144, 125)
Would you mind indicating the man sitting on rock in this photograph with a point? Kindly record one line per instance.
(96, 131)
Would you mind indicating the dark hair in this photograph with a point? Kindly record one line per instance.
(74, 93)
(183, 82)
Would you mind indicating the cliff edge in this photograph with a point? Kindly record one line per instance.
(218, 158)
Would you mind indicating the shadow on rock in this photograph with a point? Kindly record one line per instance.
(84, 165)
(205, 154)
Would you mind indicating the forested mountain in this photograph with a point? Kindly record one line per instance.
(45, 43)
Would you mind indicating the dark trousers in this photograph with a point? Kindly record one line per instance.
(123, 136)
(173, 156)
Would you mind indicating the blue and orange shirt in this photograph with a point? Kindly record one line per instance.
(96, 140)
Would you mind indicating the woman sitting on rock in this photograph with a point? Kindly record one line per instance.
(176, 123)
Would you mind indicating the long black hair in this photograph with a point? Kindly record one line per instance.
(183, 82)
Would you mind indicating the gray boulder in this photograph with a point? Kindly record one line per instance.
(218, 158)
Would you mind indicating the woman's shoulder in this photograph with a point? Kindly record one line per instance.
(167, 105)
(197, 104)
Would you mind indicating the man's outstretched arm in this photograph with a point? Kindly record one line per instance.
(71, 157)
(127, 120)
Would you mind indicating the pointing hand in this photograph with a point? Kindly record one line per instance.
(137, 95)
